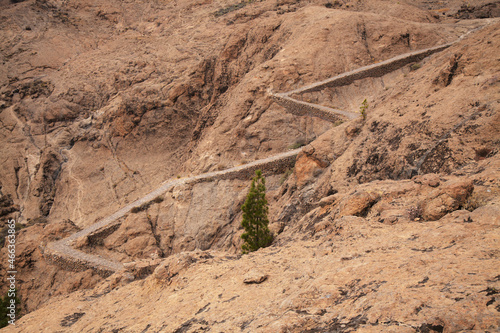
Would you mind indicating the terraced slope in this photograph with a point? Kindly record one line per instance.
(62, 253)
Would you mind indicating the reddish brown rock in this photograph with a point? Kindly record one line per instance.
(358, 203)
(449, 197)
(306, 169)
(430, 179)
(102, 102)
(255, 277)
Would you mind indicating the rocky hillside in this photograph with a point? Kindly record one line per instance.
(388, 223)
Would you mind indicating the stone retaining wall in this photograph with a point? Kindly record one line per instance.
(267, 167)
(301, 108)
(374, 70)
(74, 260)
(96, 237)
(62, 254)
(270, 165)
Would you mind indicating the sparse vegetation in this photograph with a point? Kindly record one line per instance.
(232, 8)
(415, 66)
(415, 213)
(255, 219)
(363, 108)
(138, 209)
(37, 220)
(158, 199)
(474, 201)
(5, 231)
(5, 301)
(297, 144)
(146, 205)
(334, 4)
(288, 172)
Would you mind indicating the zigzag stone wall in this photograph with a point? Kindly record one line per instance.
(301, 108)
(271, 165)
(96, 237)
(61, 252)
(73, 260)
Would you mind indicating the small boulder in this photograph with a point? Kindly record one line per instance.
(143, 268)
(430, 179)
(358, 203)
(80, 242)
(306, 169)
(353, 128)
(276, 228)
(447, 198)
(326, 201)
(255, 277)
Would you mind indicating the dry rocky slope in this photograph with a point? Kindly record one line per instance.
(60, 252)
(387, 224)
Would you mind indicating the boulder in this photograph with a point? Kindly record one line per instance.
(446, 198)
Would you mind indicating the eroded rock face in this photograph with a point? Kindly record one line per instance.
(134, 237)
(307, 169)
(38, 281)
(199, 216)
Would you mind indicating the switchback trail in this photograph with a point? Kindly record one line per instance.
(62, 253)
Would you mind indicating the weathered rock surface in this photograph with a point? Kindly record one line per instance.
(38, 282)
(353, 274)
(386, 224)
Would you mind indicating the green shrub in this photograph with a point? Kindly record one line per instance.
(299, 143)
(288, 172)
(255, 219)
(363, 108)
(416, 66)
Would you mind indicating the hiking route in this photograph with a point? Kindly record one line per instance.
(62, 253)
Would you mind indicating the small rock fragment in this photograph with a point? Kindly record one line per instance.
(255, 277)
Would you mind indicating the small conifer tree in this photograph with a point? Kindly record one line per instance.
(255, 220)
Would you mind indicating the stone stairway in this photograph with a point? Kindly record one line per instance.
(62, 253)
